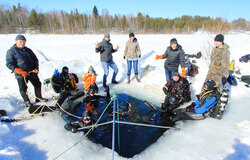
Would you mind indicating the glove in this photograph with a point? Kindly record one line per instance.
(124, 57)
(35, 71)
(56, 72)
(22, 72)
(190, 108)
(139, 56)
(223, 81)
(183, 72)
(158, 57)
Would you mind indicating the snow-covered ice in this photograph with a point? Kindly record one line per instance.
(45, 138)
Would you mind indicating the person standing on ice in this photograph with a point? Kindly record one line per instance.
(219, 62)
(175, 56)
(133, 53)
(106, 49)
(23, 62)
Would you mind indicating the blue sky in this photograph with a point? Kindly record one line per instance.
(228, 9)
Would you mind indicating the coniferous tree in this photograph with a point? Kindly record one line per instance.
(95, 12)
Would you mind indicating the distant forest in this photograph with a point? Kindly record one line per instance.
(18, 19)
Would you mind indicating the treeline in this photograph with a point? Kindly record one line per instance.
(18, 19)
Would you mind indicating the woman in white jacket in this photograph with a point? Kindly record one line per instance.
(132, 52)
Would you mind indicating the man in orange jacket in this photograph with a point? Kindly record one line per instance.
(175, 56)
(23, 62)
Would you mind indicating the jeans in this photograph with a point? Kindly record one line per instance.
(135, 66)
(169, 75)
(105, 66)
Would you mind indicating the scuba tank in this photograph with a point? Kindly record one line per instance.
(221, 105)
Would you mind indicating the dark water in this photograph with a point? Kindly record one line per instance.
(129, 140)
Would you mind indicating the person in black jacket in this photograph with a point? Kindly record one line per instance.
(106, 49)
(66, 83)
(23, 62)
(177, 91)
(175, 56)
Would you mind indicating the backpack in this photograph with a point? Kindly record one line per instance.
(192, 70)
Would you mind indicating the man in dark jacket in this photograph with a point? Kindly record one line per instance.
(202, 107)
(174, 57)
(106, 49)
(23, 62)
(177, 91)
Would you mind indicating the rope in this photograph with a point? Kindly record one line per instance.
(86, 133)
(67, 112)
(101, 124)
(113, 130)
(118, 128)
(145, 125)
(49, 107)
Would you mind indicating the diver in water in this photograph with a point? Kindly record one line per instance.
(91, 100)
(202, 107)
(86, 120)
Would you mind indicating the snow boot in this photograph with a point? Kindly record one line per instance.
(28, 104)
(39, 97)
(137, 78)
(128, 79)
(3, 113)
(114, 82)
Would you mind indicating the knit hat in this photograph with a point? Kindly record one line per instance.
(211, 85)
(20, 37)
(173, 40)
(131, 35)
(106, 35)
(91, 68)
(219, 38)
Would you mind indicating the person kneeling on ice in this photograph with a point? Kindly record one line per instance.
(84, 122)
(67, 85)
(177, 91)
(202, 107)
